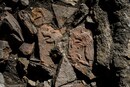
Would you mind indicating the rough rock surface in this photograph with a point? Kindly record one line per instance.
(24, 2)
(81, 50)
(64, 43)
(65, 72)
(72, 2)
(2, 81)
(14, 25)
(26, 20)
(27, 48)
(75, 84)
(4, 50)
(47, 39)
(40, 16)
(62, 13)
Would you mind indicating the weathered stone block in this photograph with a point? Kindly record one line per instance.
(81, 50)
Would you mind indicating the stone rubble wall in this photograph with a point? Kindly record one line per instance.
(64, 43)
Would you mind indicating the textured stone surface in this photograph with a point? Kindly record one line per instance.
(78, 16)
(15, 1)
(25, 19)
(47, 83)
(5, 50)
(2, 81)
(27, 48)
(72, 2)
(10, 74)
(47, 38)
(103, 40)
(78, 43)
(81, 50)
(24, 2)
(13, 25)
(23, 64)
(65, 73)
(75, 84)
(40, 16)
(62, 13)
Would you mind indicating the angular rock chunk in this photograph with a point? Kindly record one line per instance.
(24, 2)
(81, 50)
(32, 83)
(47, 83)
(62, 13)
(72, 2)
(80, 15)
(26, 20)
(27, 48)
(2, 80)
(40, 16)
(5, 50)
(47, 38)
(17, 85)
(13, 25)
(23, 62)
(2, 85)
(75, 84)
(10, 74)
(65, 74)
(15, 1)
(7, 8)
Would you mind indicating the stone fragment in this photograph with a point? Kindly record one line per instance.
(2, 80)
(47, 83)
(34, 59)
(80, 14)
(128, 50)
(2, 85)
(93, 84)
(72, 2)
(5, 50)
(25, 19)
(13, 25)
(17, 85)
(47, 38)
(81, 50)
(62, 13)
(41, 16)
(24, 62)
(10, 74)
(32, 83)
(24, 2)
(65, 73)
(8, 9)
(27, 48)
(75, 84)
(15, 1)
(89, 20)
